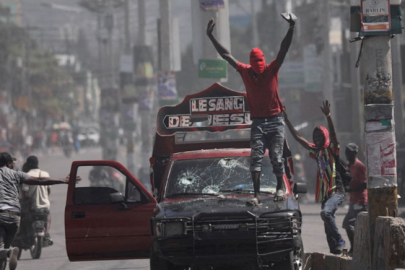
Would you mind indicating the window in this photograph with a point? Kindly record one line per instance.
(98, 183)
(217, 175)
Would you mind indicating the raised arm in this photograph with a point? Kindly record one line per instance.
(295, 133)
(332, 133)
(225, 53)
(285, 44)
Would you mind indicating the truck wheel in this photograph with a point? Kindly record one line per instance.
(294, 260)
(157, 263)
(287, 263)
(299, 255)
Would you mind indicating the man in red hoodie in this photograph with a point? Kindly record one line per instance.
(268, 128)
(329, 186)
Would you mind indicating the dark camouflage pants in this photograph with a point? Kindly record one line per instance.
(267, 133)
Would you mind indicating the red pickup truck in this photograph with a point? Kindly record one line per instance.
(198, 217)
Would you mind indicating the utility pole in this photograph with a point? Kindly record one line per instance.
(109, 25)
(141, 22)
(378, 79)
(255, 40)
(380, 130)
(397, 86)
(165, 30)
(357, 109)
(326, 61)
(202, 45)
(129, 107)
(127, 31)
(110, 95)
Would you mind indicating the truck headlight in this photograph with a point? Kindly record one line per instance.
(174, 228)
(169, 228)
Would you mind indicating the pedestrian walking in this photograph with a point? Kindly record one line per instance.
(268, 128)
(357, 189)
(10, 209)
(329, 187)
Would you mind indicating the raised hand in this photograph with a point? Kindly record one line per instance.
(210, 26)
(289, 17)
(326, 107)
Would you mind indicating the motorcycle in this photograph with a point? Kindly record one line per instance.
(32, 233)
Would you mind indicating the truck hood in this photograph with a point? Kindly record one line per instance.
(190, 207)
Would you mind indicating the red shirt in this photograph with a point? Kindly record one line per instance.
(262, 92)
(359, 176)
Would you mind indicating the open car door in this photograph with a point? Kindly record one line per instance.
(107, 213)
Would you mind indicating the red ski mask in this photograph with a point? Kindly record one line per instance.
(257, 60)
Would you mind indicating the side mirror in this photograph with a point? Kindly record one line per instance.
(300, 188)
(116, 197)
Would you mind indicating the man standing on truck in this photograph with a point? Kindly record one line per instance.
(10, 210)
(268, 128)
(329, 187)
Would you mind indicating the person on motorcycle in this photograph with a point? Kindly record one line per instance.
(37, 197)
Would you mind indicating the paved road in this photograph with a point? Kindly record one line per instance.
(55, 257)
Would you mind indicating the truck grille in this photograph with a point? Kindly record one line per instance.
(213, 235)
(274, 234)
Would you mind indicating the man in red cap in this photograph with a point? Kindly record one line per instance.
(268, 128)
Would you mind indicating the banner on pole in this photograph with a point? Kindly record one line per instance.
(209, 5)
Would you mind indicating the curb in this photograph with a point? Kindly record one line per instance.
(326, 261)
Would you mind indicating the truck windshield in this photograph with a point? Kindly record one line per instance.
(217, 176)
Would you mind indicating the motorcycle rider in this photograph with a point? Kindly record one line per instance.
(36, 197)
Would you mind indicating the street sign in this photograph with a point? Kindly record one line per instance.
(376, 17)
(208, 68)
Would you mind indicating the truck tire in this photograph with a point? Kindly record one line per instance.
(294, 260)
(157, 263)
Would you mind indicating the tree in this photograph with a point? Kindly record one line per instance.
(53, 86)
(26, 70)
